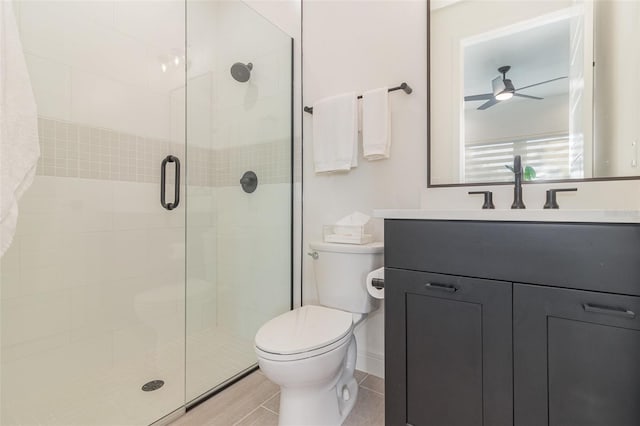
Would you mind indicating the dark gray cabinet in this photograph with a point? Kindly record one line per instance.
(455, 340)
(512, 323)
(576, 357)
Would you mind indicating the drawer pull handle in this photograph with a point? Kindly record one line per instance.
(605, 310)
(441, 287)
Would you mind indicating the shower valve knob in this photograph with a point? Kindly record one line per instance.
(249, 182)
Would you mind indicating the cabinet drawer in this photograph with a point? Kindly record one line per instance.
(576, 356)
(448, 350)
(445, 285)
(601, 257)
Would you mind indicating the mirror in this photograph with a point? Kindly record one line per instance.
(552, 81)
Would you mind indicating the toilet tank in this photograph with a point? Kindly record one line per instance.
(340, 272)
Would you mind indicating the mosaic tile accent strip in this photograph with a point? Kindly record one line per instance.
(224, 167)
(73, 150)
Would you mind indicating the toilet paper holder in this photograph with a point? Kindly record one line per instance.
(377, 283)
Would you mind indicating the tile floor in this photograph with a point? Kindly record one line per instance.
(254, 401)
(57, 387)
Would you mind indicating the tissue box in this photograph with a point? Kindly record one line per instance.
(347, 234)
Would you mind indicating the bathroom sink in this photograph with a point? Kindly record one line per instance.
(528, 215)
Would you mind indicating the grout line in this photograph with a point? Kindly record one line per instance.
(269, 399)
(247, 415)
(270, 396)
(269, 410)
(371, 390)
(364, 378)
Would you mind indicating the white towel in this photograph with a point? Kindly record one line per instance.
(376, 124)
(335, 133)
(19, 147)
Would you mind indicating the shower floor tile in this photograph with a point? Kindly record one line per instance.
(112, 396)
(255, 400)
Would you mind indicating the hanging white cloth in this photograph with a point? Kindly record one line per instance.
(335, 133)
(19, 145)
(376, 124)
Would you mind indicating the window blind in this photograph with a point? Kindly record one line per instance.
(549, 156)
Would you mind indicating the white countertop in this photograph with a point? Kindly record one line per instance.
(527, 215)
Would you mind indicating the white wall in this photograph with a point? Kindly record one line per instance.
(98, 63)
(370, 44)
(356, 46)
(612, 195)
(617, 128)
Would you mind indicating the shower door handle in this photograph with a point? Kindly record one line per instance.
(163, 180)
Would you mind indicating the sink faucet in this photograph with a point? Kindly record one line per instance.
(517, 189)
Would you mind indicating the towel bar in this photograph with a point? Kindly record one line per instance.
(404, 86)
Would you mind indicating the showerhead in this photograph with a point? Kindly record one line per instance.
(241, 72)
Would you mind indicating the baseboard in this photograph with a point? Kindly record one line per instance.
(371, 363)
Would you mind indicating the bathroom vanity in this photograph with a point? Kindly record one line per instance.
(511, 322)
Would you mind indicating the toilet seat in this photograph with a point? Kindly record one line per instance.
(304, 332)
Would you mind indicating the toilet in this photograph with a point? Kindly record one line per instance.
(310, 352)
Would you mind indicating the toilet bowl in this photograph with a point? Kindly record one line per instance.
(310, 352)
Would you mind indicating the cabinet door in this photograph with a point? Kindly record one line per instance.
(448, 350)
(576, 357)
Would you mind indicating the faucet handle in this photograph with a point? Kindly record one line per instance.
(488, 199)
(551, 202)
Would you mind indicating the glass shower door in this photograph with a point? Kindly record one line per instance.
(92, 289)
(93, 301)
(239, 187)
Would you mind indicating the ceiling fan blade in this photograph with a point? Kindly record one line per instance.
(483, 97)
(542, 82)
(491, 102)
(527, 96)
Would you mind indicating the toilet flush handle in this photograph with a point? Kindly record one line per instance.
(313, 254)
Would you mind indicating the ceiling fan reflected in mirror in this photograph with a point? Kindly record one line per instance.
(503, 89)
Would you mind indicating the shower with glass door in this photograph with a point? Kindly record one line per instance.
(156, 236)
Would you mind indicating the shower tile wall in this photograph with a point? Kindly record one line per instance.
(70, 281)
(91, 237)
(72, 150)
(237, 127)
(93, 240)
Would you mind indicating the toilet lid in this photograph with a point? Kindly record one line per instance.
(303, 329)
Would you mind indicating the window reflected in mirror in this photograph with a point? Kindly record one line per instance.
(549, 81)
(501, 101)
